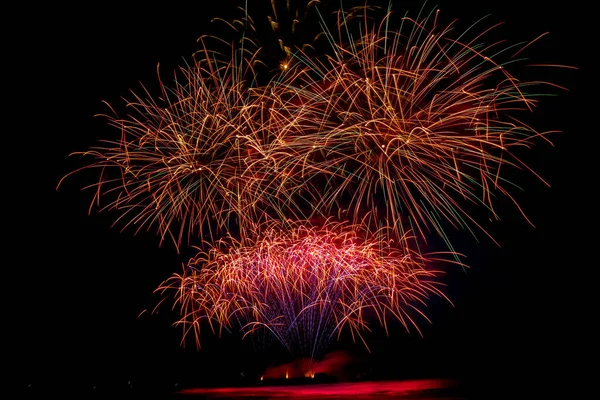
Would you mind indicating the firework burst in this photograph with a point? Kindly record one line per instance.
(407, 128)
(411, 126)
(203, 159)
(306, 285)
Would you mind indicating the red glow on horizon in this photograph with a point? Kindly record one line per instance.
(333, 364)
(355, 390)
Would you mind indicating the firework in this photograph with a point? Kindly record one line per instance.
(206, 157)
(404, 127)
(412, 126)
(392, 126)
(306, 285)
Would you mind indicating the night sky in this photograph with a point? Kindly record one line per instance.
(77, 284)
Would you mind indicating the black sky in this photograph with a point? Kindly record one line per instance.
(77, 285)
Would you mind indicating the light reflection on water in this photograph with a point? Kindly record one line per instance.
(427, 389)
(422, 389)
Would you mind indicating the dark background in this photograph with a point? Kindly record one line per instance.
(76, 285)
